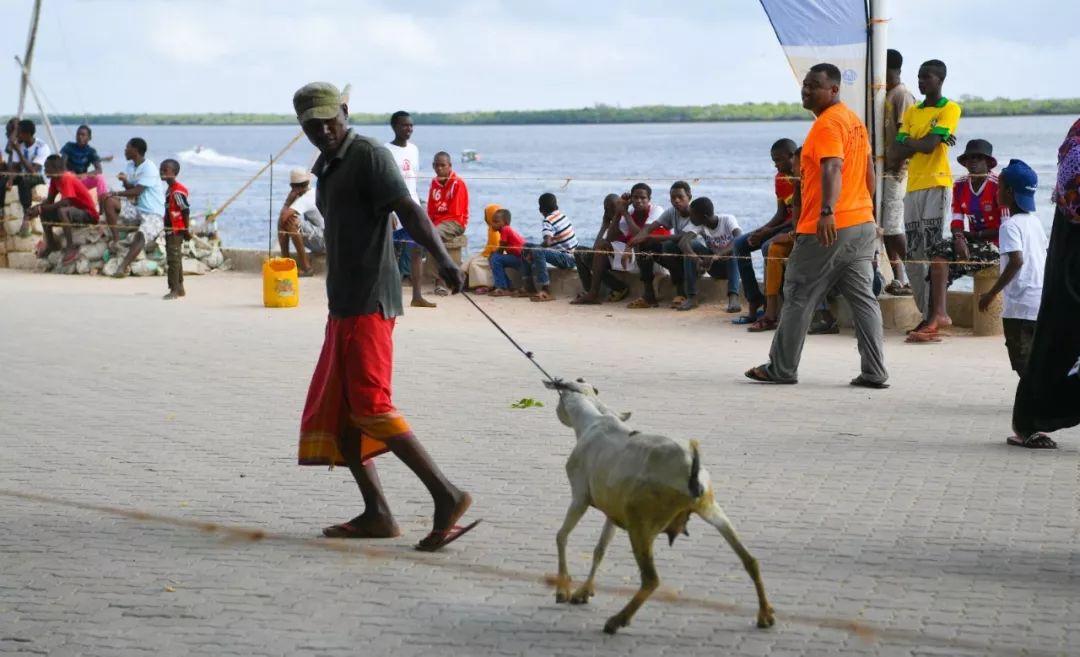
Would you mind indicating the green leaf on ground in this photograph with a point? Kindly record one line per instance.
(527, 402)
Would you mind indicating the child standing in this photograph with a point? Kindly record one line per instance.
(177, 227)
(507, 255)
(1023, 245)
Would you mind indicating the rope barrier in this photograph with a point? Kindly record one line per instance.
(863, 630)
(610, 253)
(566, 180)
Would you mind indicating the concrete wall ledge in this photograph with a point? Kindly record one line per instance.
(898, 313)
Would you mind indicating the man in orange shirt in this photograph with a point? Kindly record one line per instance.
(835, 238)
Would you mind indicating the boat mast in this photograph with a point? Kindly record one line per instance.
(28, 60)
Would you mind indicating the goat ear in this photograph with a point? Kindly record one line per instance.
(624, 416)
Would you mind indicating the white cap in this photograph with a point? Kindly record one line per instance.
(298, 176)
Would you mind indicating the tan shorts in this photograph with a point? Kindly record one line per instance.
(448, 230)
(892, 204)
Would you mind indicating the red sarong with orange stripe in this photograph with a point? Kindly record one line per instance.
(350, 391)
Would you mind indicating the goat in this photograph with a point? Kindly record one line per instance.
(644, 484)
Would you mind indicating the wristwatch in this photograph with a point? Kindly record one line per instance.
(826, 210)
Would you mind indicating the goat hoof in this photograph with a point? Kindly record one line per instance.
(581, 597)
(765, 618)
(614, 623)
(561, 597)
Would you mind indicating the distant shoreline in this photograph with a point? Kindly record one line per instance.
(598, 114)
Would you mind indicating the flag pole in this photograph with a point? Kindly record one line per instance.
(878, 53)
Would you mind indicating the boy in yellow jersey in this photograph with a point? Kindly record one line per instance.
(926, 132)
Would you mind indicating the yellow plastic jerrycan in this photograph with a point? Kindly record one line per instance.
(281, 287)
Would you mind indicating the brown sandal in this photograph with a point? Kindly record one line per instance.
(762, 325)
(642, 303)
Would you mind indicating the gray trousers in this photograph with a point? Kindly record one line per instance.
(924, 220)
(812, 270)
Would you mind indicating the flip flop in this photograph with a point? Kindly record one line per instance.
(618, 295)
(582, 300)
(1037, 440)
(440, 538)
(759, 375)
(441, 291)
(542, 296)
(747, 319)
(922, 337)
(762, 325)
(677, 301)
(346, 530)
(638, 304)
(862, 382)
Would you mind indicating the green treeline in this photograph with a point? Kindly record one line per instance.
(599, 113)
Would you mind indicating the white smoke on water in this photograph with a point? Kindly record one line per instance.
(208, 157)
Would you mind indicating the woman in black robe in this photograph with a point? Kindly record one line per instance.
(1048, 395)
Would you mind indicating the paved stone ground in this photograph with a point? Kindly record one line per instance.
(902, 510)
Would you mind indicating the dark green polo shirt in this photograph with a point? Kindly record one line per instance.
(355, 191)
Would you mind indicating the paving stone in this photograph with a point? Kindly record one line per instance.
(902, 510)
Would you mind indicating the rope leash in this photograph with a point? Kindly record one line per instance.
(528, 354)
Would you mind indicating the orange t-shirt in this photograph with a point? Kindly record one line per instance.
(837, 132)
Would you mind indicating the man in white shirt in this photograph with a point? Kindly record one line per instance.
(300, 222)
(407, 156)
(28, 161)
(706, 248)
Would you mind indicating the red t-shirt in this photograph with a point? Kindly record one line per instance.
(641, 222)
(448, 201)
(511, 240)
(176, 202)
(69, 187)
(785, 192)
(981, 210)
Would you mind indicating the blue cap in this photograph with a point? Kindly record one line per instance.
(1022, 182)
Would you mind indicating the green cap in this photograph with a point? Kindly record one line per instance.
(316, 100)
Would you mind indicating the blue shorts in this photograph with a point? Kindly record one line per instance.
(402, 236)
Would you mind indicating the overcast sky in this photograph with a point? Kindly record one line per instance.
(249, 56)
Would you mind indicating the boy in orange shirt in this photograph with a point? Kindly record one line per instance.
(835, 238)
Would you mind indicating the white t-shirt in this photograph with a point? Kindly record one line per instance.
(720, 237)
(33, 154)
(408, 161)
(1023, 233)
(305, 207)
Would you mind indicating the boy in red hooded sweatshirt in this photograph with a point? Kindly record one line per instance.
(448, 204)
